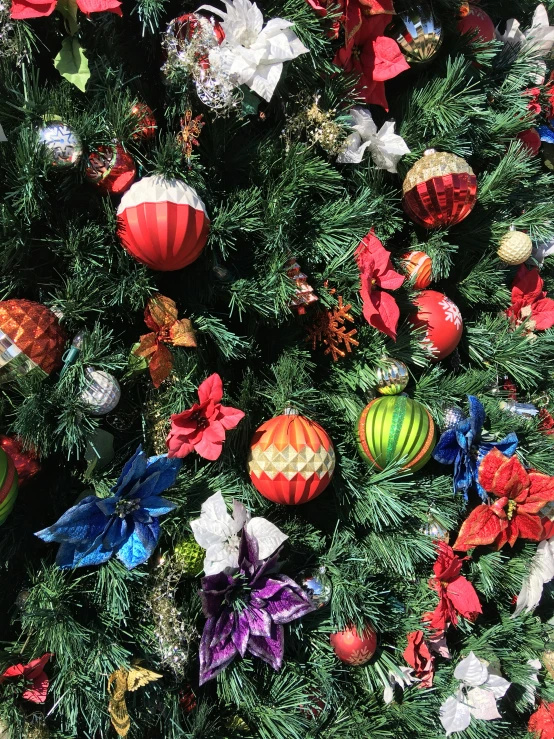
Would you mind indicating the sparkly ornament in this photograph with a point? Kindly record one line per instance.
(111, 169)
(63, 144)
(304, 291)
(163, 223)
(146, 122)
(440, 190)
(25, 460)
(328, 328)
(436, 530)
(317, 585)
(548, 662)
(418, 266)
(515, 248)
(417, 32)
(101, 393)
(442, 320)
(8, 485)
(119, 682)
(396, 428)
(235, 723)
(475, 20)
(452, 416)
(354, 649)
(31, 339)
(189, 557)
(392, 376)
(319, 126)
(187, 42)
(291, 459)
(191, 128)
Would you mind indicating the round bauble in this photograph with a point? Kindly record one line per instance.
(452, 416)
(396, 428)
(63, 144)
(101, 393)
(418, 266)
(515, 248)
(111, 169)
(8, 485)
(442, 321)
(317, 586)
(291, 459)
(31, 339)
(163, 223)
(352, 648)
(477, 21)
(146, 122)
(440, 190)
(189, 557)
(531, 140)
(417, 32)
(26, 461)
(436, 530)
(392, 376)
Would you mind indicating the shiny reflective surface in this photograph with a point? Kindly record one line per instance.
(418, 33)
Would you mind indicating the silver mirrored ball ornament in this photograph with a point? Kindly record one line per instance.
(64, 145)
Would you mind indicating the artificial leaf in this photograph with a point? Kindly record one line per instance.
(471, 670)
(268, 536)
(72, 63)
(541, 571)
(454, 715)
(482, 704)
(68, 8)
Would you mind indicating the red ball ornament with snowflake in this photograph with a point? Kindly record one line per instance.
(442, 320)
(475, 20)
(352, 648)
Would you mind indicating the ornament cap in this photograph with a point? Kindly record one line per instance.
(428, 152)
(290, 411)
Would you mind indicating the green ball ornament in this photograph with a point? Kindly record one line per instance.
(396, 428)
(189, 557)
(392, 377)
(8, 485)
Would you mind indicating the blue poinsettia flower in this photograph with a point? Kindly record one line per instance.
(125, 525)
(462, 446)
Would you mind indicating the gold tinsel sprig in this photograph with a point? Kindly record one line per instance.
(319, 127)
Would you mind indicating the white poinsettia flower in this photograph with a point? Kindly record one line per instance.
(253, 54)
(403, 677)
(540, 37)
(386, 147)
(541, 571)
(219, 533)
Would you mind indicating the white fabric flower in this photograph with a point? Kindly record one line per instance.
(540, 37)
(402, 677)
(219, 533)
(541, 571)
(252, 54)
(386, 147)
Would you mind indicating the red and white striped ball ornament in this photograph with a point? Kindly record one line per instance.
(163, 223)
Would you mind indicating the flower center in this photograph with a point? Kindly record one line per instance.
(512, 505)
(231, 544)
(124, 507)
(238, 598)
(473, 451)
(200, 419)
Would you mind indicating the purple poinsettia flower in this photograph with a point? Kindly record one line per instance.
(246, 608)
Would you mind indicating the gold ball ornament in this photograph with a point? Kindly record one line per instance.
(392, 376)
(189, 557)
(515, 248)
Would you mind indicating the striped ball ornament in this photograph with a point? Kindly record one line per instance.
(291, 459)
(8, 485)
(418, 266)
(396, 428)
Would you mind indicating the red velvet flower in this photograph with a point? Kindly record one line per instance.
(529, 300)
(521, 495)
(321, 8)
(418, 656)
(541, 723)
(31, 673)
(376, 272)
(22, 9)
(202, 428)
(533, 105)
(457, 595)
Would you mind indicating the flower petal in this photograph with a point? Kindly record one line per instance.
(482, 526)
(229, 417)
(140, 545)
(211, 389)
(447, 449)
(464, 598)
(271, 648)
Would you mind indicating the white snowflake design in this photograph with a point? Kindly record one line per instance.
(451, 312)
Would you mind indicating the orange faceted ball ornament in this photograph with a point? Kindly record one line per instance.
(442, 319)
(291, 459)
(418, 265)
(352, 648)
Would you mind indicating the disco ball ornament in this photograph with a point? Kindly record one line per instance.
(396, 428)
(146, 122)
(515, 248)
(317, 585)
(392, 376)
(352, 648)
(442, 320)
(475, 20)
(31, 339)
(8, 485)
(417, 32)
(111, 169)
(63, 144)
(452, 416)
(163, 223)
(418, 266)
(291, 459)
(25, 460)
(101, 393)
(440, 190)
(189, 557)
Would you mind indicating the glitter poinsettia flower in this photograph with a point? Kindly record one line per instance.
(23, 9)
(541, 723)
(418, 656)
(457, 595)
(529, 301)
(34, 674)
(463, 447)
(245, 610)
(377, 275)
(125, 524)
(202, 428)
(515, 514)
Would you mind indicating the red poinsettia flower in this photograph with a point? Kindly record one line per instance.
(546, 425)
(533, 105)
(358, 11)
(377, 274)
(22, 9)
(541, 723)
(457, 595)
(418, 656)
(529, 300)
(202, 428)
(31, 673)
(521, 495)
(322, 7)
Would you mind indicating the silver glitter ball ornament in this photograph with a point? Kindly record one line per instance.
(317, 586)
(452, 416)
(101, 393)
(417, 32)
(63, 144)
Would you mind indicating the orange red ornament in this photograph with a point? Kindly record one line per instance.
(418, 266)
(352, 648)
(25, 460)
(442, 320)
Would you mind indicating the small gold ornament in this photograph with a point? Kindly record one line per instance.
(548, 661)
(235, 723)
(392, 376)
(515, 248)
(319, 126)
(119, 683)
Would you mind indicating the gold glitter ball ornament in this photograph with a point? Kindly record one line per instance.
(515, 248)
(547, 659)
(189, 557)
(392, 376)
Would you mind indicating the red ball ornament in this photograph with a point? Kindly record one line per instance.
(291, 459)
(531, 140)
(163, 223)
(477, 20)
(146, 122)
(352, 648)
(26, 461)
(442, 319)
(111, 169)
(440, 190)
(418, 265)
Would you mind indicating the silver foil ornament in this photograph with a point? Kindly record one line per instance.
(392, 376)
(452, 416)
(417, 32)
(63, 144)
(101, 393)
(317, 585)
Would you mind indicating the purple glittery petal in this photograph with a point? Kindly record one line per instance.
(259, 621)
(288, 605)
(271, 648)
(241, 632)
(214, 590)
(213, 661)
(268, 587)
(223, 628)
(248, 553)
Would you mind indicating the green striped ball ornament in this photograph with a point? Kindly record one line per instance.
(8, 485)
(396, 428)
